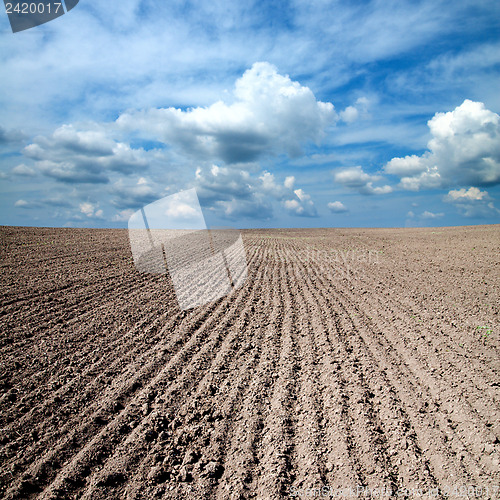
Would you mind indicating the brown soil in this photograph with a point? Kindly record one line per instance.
(350, 358)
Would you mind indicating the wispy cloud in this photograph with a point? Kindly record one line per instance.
(431, 215)
(24, 170)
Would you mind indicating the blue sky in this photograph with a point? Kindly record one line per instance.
(280, 114)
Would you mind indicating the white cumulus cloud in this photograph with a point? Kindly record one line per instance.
(123, 215)
(464, 150)
(289, 182)
(472, 202)
(431, 215)
(353, 113)
(133, 195)
(356, 179)
(302, 205)
(337, 207)
(90, 210)
(85, 156)
(471, 194)
(238, 193)
(181, 211)
(24, 170)
(269, 114)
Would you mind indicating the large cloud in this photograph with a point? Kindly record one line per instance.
(464, 150)
(270, 114)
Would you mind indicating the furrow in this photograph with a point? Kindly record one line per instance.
(433, 430)
(177, 376)
(278, 454)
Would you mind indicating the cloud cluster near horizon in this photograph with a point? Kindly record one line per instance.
(268, 115)
(464, 152)
(240, 194)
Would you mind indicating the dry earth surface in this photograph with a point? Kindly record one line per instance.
(351, 358)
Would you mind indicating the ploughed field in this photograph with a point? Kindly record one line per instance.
(351, 361)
